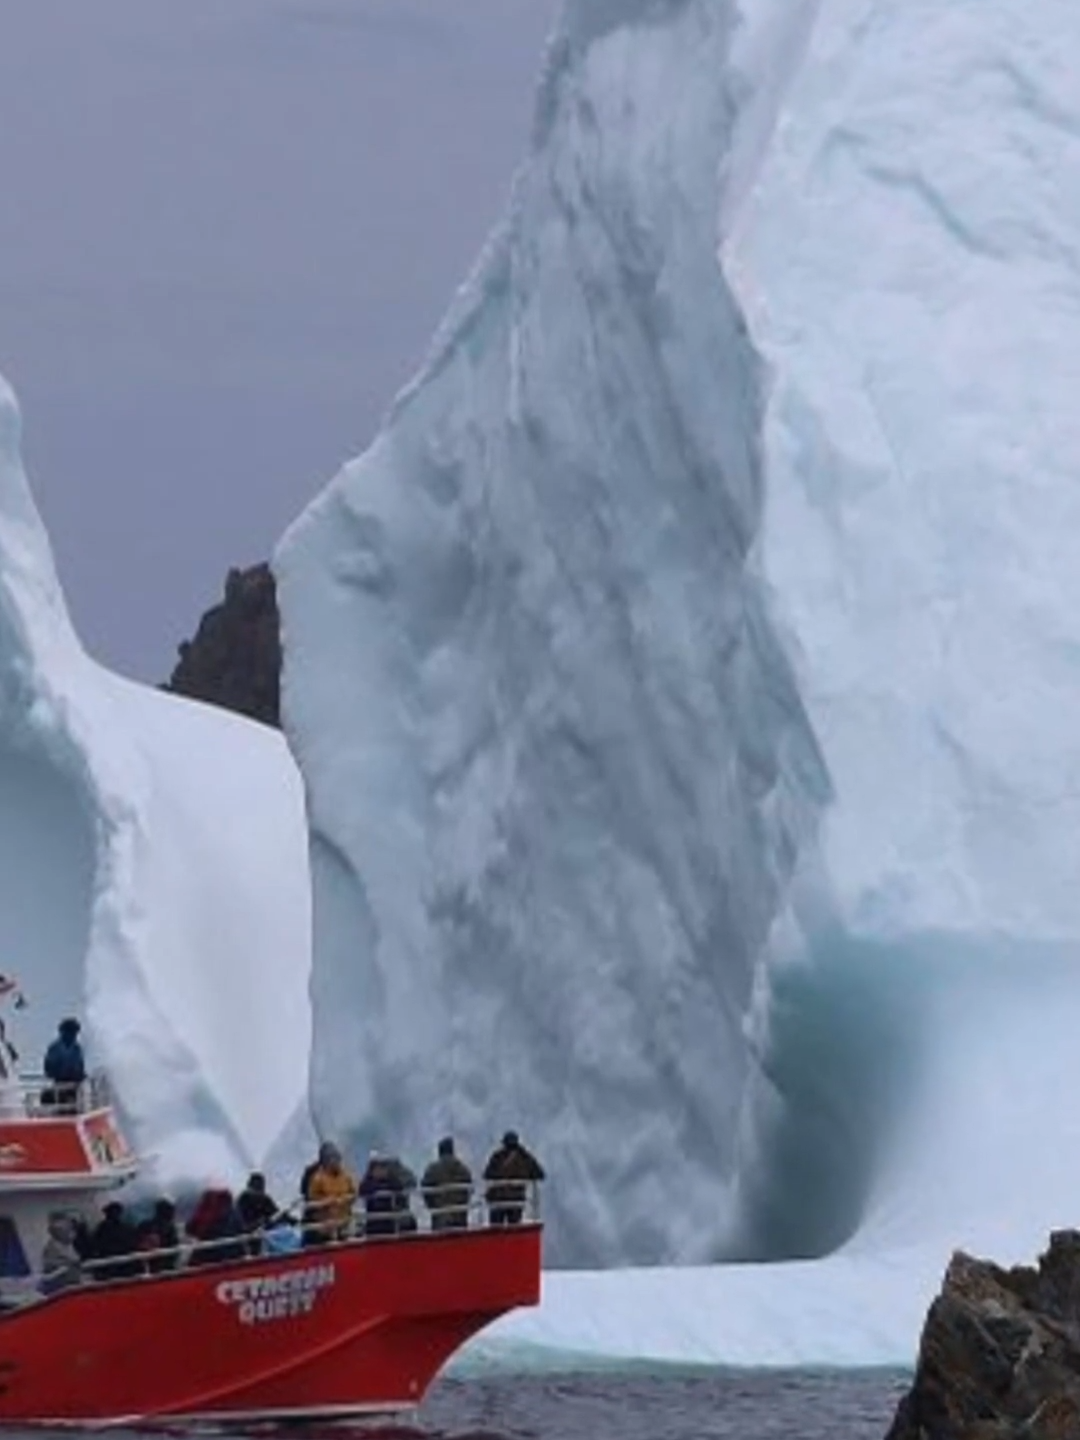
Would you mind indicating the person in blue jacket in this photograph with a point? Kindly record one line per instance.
(65, 1066)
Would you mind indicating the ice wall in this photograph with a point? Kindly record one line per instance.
(909, 262)
(152, 876)
(557, 769)
(921, 442)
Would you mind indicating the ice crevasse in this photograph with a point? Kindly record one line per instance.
(685, 681)
(153, 877)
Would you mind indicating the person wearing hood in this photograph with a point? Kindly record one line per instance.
(65, 1066)
(382, 1192)
(61, 1266)
(255, 1204)
(447, 1188)
(510, 1171)
(331, 1197)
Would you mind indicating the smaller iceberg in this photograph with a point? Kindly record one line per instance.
(153, 874)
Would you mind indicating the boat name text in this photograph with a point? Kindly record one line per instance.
(259, 1298)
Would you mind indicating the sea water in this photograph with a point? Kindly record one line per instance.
(652, 1405)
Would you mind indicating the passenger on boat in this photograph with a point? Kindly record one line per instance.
(510, 1170)
(255, 1205)
(216, 1227)
(113, 1243)
(380, 1189)
(157, 1234)
(256, 1209)
(331, 1197)
(61, 1266)
(447, 1187)
(65, 1066)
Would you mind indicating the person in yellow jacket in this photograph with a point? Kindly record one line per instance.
(331, 1197)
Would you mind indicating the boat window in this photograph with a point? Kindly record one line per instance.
(13, 1263)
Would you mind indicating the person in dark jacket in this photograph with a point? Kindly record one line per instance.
(214, 1224)
(65, 1066)
(113, 1243)
(255, 1206)
(509, 1172)
(382, 1193)
(159, 1233)
(447, 1188)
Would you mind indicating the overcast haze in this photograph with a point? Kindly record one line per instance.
(228, 229)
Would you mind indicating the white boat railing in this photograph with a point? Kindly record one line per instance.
(36, 1097)
(313, 1227)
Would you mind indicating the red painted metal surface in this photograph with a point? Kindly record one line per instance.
(42, 1147)
(85, 1149)
(340, 1330)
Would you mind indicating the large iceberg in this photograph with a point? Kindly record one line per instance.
(685, 689)
(153, 876)
(685, 680)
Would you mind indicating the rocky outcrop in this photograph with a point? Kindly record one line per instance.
(1000, 1353)
(235, 658)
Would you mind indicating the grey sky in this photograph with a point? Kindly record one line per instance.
(227, 231)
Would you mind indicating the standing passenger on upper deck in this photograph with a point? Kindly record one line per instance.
(65, 1067)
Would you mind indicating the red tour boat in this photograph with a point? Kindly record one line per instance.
(341, 1330)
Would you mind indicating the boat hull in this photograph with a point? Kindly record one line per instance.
(336, 1332)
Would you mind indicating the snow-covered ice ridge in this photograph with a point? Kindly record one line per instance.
(153, 877)
(686, 680)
